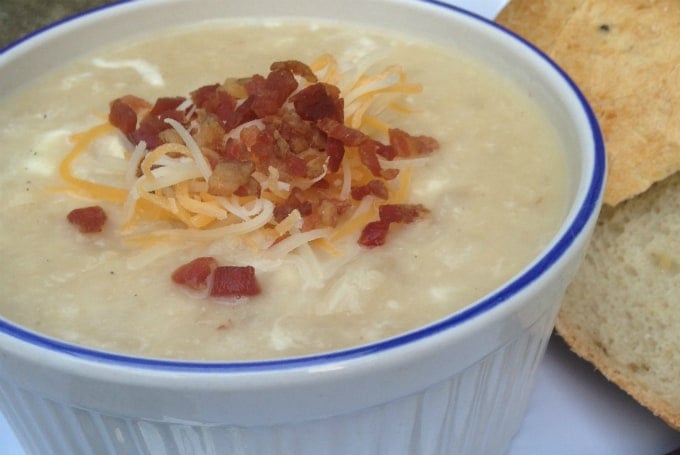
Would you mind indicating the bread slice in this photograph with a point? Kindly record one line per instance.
(622, 311)
(625, 56)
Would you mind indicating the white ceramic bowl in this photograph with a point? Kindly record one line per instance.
(460, 385)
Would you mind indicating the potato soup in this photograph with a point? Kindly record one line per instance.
(488, 196)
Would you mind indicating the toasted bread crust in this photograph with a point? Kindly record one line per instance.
(625, 56)
(622, 311)
(582, 345)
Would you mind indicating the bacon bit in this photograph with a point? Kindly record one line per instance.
(369, 157)
(297, 167)
(408, 146)
(375, 187)
(242, 114)
(386, 151)
(336, 152)
(222, 105)
(139, 105)
(234, 281)
(167, 103)
(88, 219)
(148, 131)
(203, 95)
(214, 100)
(337, 130)
(122, 116)
(195, 274)
(295, 201)
(319, 101)
(295, 67)
(375, 233)
(402, 213)
(269, 94)
(227, 281)
(235, 150)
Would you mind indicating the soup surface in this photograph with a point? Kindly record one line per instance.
(494, 191)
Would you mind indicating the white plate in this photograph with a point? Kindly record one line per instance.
(573, 409)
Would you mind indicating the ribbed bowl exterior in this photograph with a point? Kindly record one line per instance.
(477, 411)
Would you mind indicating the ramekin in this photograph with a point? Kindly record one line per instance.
(459, 385)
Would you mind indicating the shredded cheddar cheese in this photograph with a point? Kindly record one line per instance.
(85, 187)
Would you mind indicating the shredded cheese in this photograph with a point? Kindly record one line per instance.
(296, 240)
(134, 161)
(362, 91)
(85, 187)
(286, 225)
(196, 153)
(364, 213)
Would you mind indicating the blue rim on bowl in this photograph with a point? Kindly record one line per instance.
(588, 204)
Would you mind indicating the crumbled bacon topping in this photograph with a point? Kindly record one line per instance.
(224, 281)
(375, 233)
(234, 281)
(282, 137)
(195, 274)
(88, 219)
(300, 134)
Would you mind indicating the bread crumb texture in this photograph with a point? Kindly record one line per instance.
(622, 311)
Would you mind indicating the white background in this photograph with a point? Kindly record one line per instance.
(573, 409)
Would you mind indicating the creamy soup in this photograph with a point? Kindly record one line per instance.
(493, 194)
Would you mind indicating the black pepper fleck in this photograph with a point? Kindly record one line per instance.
(604, 27)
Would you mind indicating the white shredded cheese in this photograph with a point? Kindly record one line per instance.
(293, 220)
(149, 72)
(167, 176)
(133, 163)
(291, 243)
(193, 147)
(241, 228)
